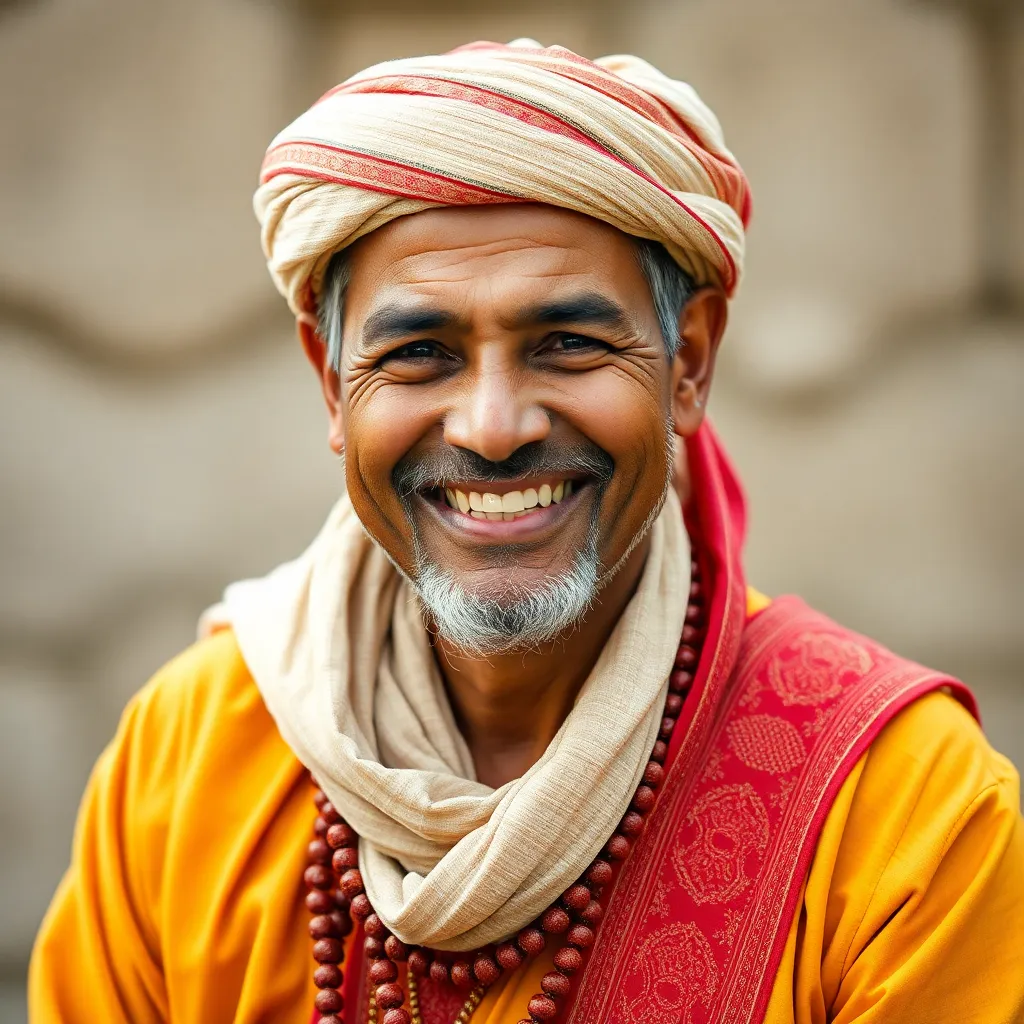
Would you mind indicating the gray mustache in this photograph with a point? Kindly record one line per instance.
(433, 468)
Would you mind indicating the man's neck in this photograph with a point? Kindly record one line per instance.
(509, 707)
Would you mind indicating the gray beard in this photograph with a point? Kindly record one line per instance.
(521, 618)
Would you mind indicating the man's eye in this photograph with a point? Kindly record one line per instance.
(415, 351)
(575, 343)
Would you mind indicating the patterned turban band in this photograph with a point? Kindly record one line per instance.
(614, 139)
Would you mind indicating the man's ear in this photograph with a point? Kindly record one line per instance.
(701, 326)
(316, 352)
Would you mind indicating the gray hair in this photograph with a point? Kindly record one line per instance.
(671, 288)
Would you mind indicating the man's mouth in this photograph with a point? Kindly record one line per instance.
(499, 502)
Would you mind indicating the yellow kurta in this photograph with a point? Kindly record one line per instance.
(184, 900)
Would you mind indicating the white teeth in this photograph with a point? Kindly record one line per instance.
(508, 506)
(512, 501)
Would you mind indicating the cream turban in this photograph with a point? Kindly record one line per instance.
(614, 139)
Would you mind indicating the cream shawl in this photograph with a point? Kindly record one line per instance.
(336, 644)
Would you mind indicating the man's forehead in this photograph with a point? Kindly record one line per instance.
(513, 250)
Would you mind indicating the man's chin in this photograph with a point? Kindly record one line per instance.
(501, 611)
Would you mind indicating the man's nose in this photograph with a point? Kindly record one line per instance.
(495, 416)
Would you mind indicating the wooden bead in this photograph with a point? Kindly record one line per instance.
(555, 984)
(686, 657)
(618, 847)
(680, 681)
(643, 798)
(374, 926)
(668, 723)
(439, 973)
(576, 897)
(328, 976)
(581, 936)
(694, 613)
(555, 920)
(344, 859)
(328, 1000)
(673, 704)
(339, 835)
(318, 852)
(396, 948)
(319, 902)
(568, 960)
(396, 1015)
(319, 797)
(654, 774)
(351, 883)
(328, 951)
(382, 970)
(659, 751)
(632, 824)
(361, 908)
(531, 940)
(542, 1007)
(599, 873)
(373, 947)
(462, 974)
(508, 955)
(691, 634)
(389, 995)
(330, 814)
(419, 963)
(322, 927)
(695, 589)
(592, 913)
(485, 970)
(342, 923)
(318, 877)
(320, 826)
(332, 1018)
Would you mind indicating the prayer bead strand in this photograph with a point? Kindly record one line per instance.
(336, 895)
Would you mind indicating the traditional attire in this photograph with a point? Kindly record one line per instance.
(833, 839)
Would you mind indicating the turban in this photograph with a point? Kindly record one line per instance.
(614, 139)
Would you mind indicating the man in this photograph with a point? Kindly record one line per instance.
(566, 765)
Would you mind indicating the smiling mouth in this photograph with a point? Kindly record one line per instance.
(503, 505)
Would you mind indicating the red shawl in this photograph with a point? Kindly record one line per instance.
(782, 707)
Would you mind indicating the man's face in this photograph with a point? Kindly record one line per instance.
(504, 389)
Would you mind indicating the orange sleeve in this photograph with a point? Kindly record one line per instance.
(913, 909)
(97, 955)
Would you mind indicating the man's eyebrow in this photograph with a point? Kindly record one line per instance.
(586, 308)
(398, 321)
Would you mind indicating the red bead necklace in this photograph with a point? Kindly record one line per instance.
(336, 896)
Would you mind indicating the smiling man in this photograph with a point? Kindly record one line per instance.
(513, 741)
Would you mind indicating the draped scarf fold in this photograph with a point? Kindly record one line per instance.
(336, 643)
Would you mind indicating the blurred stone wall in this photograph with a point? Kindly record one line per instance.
(162, 435)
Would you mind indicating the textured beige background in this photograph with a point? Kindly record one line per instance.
(162, 436)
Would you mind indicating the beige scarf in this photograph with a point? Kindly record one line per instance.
(336, 644)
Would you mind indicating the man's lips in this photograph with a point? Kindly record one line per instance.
(547, 508)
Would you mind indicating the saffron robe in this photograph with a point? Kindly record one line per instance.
(184, 901)
(904, 897)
